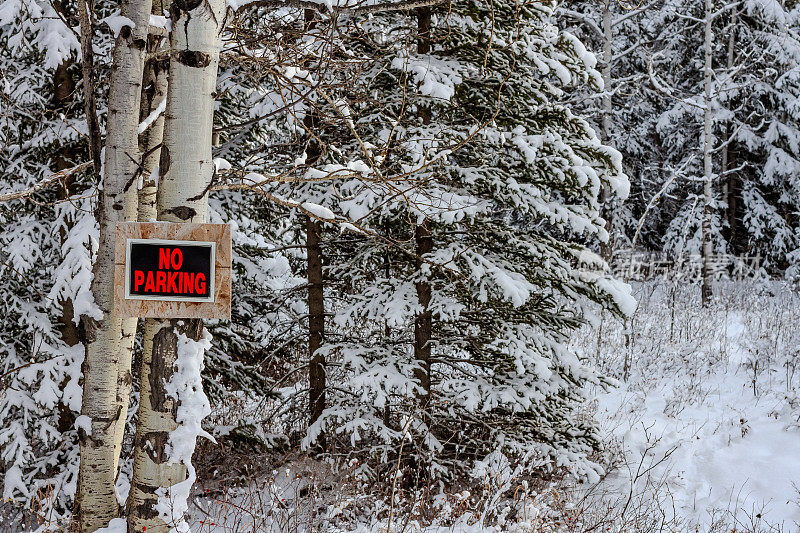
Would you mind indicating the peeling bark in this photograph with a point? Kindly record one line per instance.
(154, 83)
(156, 420)
(185, 172)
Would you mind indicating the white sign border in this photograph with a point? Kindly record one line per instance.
(129, 296)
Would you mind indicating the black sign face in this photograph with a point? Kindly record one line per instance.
(169, 270)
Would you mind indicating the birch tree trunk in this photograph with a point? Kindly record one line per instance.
(109, 340)
(154, 83)
(186, 171)
(706, 291)
(607, 248)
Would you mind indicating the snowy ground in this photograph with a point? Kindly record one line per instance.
(703, 436)
(707, 422)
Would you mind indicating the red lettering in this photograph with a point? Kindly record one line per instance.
(138, 279)
(161, 281)
(177, 259)
(163, 258)
(200, 281)
(171, 287)
(148, 284)
(188, 282)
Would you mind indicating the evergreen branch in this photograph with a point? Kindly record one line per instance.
(667, 91)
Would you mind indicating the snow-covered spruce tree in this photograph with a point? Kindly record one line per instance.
(509, 182)
(299, 163)
(759, 167)
(753, 112)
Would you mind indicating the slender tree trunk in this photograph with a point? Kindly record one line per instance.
(708, 147)
(730, 189)
(186, 171)
(109, 340)
(154, 91)
(424, 245)
(423, 319)
(63, 91)
(85, 17)
(607, 248)
(316, 288)
(387, 335)
(608, 42)
(316, 321)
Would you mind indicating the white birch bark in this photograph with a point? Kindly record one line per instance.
(154, 92)
(186, 171)
(706, 292)
(608, 41)
(607, 248)
(109, 338)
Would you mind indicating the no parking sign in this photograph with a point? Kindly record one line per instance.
(170, 270)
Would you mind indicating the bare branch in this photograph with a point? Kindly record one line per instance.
(584, 19)
(58, 176)
(355, 9)
(633, 13)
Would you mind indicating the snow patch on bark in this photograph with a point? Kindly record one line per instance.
(186, 387)
(160, 21)
(85, 423)
(157, 112)
(117, 22)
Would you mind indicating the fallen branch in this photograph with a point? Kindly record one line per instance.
(58, 176)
